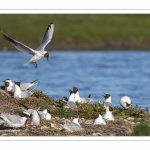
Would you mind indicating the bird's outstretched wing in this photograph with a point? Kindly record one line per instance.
(19, 46)
(47, 37)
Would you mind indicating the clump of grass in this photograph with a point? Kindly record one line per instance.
(89, 111)
(142, 129)
(40, 94)
(131, 112)
(63, 113)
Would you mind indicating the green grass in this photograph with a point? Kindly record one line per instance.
(79, 31)
(84, 110)
(142, 129)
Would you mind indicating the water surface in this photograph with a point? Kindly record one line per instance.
(117, 73)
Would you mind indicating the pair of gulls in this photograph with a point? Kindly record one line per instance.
(18, 89)
(16, 121)
(75, 97)
(125, 101)
(39, 53)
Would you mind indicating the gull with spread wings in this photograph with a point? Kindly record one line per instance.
(39, 52)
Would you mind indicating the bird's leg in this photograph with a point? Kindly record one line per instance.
(35, 64)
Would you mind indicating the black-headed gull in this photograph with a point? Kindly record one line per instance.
(107, 100)
(99, 120)
(25, 86)
(125, 102)
(108, 114)
(9, 85)
(68, 104)
(72, 126)
(71, 97)
(39, 52)
(21, 94)
(13, 120)
(81, 99)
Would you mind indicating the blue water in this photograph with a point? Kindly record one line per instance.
(117, 73)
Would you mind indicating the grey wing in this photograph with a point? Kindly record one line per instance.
(12, 118)
(71, 104)
(106, 104)
(47, 37)
(19, 46)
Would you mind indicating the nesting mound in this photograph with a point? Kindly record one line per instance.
(125, 120)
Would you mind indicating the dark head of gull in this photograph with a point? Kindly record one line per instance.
(46, 55)
(75, 89)
(65, 99)
(71, 92)
(6, 84)
(17, 83)
(106, 95)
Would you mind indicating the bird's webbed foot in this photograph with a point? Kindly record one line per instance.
(35, 64)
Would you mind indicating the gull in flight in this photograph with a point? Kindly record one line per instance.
(39, 52)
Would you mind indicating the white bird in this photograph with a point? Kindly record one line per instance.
(68, 104)
(108, 114)
(71, 97)
(9, 85)
(21, 94)
(25, 86)
(35, 118)
(107, 97)
(39, 52)
(43, 114)
(81, 99)
(125, 102)
(72, 126)
(99, 120)
(13, 120)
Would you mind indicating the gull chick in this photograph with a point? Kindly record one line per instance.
(43, 114)
(68, 104)
(13, 120)
(35, 118)
(72, 126)
(125, 102)
(39, 52)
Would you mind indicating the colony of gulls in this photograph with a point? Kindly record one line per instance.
(21, 90)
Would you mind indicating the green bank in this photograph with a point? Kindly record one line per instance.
(79, 31)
